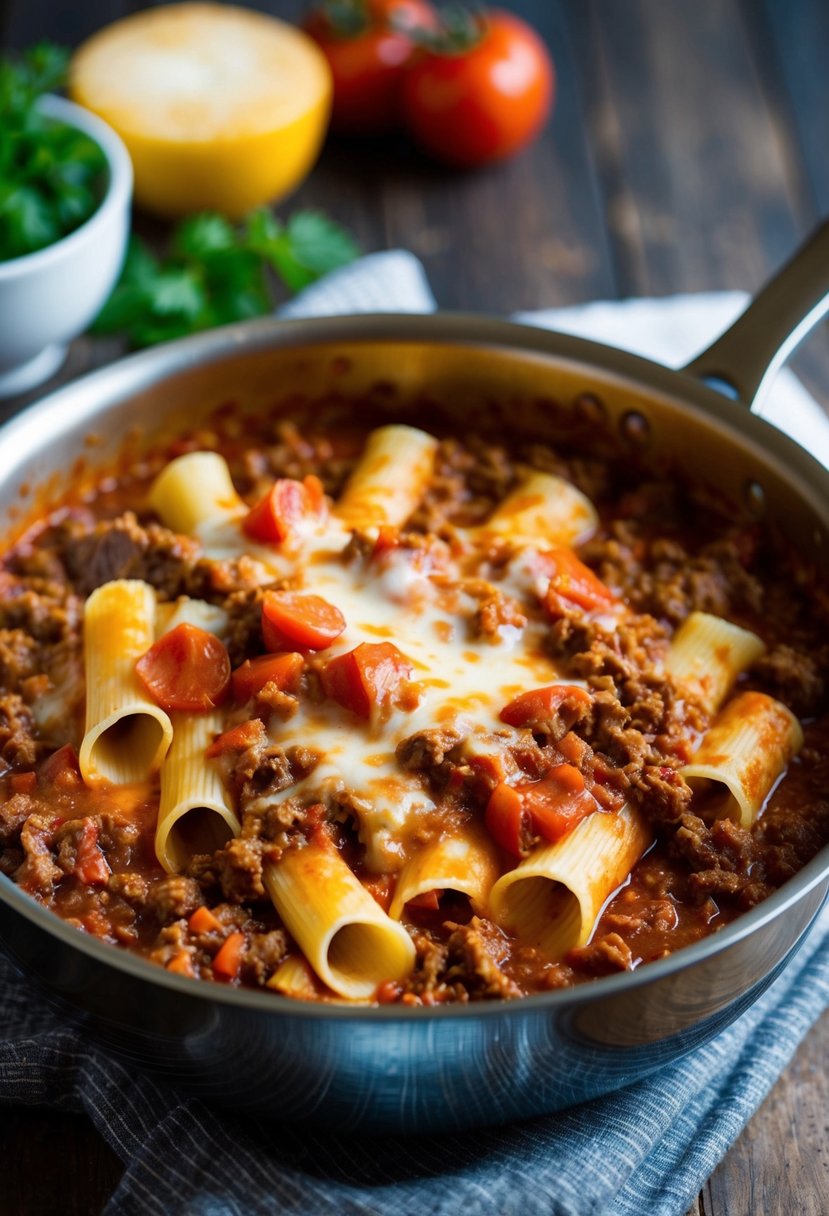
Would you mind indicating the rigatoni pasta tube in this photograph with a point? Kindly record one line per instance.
(390, 478)
(544, 509)
(707, 654)
(744, 753)
(194, 814)
(126, 735)
(193, 490)
(553, 899)
(467, 863)
(345, 935)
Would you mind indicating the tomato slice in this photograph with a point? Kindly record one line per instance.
(291, 619)
(283, 670)
(238, 738)
(506, 819)
(539, 705)
(186, 669)
(572, 584)
(366, 678)
(281, 513)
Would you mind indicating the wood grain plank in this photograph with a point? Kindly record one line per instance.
(697, 195)
(793, 41)
(54, 1162)
(780, 1163)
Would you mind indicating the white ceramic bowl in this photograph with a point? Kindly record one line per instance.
(49, 297)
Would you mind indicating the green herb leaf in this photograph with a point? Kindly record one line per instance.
(215, 274)
(52, 176)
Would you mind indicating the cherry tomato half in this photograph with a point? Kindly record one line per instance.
(187, 669)
(292, 620)
(481, 102)
(368, 53)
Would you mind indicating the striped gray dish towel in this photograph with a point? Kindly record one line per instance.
(646, 1149)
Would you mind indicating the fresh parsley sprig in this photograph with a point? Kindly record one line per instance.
(215, 273)
(52, 176)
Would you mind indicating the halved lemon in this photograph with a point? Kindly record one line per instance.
(221, 108)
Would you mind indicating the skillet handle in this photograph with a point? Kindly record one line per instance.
(743, 360)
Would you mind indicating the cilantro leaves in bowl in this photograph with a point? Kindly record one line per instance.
(52, 176)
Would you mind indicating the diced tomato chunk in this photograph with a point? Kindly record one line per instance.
(551, 808)
(228, 961)
(379, 887)
(22, 783)
(572, 584)
(203, 921)
(91, 867)
(539, 705)
(181, 964)
(186, 669)
(388, 539)
(283, 511)
(237, 739)
(292, 620)
(367, 678)
(506, 819)
(427, 901)
(558, 802)
(283, 670)
(61, 769)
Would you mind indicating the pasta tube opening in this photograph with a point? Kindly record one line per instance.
(349, 941)
(363, 954)
(127, 749)
(742, 757)
(554, 897)
(194, 814)
(198, 829)
(127, 735)
(544, 913)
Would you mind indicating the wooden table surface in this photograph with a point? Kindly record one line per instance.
(687, 152)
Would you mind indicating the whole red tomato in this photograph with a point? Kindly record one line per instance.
(367, 48)
(482, 100)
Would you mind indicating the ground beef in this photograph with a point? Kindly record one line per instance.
(243, 636)
(14, 812)
(603, 955)
(427, 750)
(468, 965)
(238, 870)
(496, 612)
(122, 548)
(173, 897)
(46, 610)
(18, 658)
(131, 887)
(264, 953)
(662, 578)
(18, 742)
(38, 873)
(793, 677)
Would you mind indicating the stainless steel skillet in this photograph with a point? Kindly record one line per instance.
(425, 1069)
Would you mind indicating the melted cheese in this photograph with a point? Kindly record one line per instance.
(463, 680)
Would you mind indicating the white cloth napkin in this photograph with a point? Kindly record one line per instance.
(670, 330)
